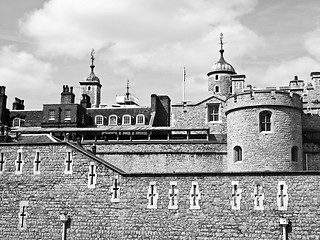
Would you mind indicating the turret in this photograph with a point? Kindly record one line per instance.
(219, 78)
(91, 86)
(264, 131)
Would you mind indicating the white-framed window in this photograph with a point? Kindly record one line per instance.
(92, 175)
(173, 195)
(236, 195)
(282, 196)
(99, 120)
(113, 120)
(52, 115)
(265, 118)
(126, 119)
(115, 189)
(67, 114)
(19, 162)
(140, 119)
(152, 195)
(18, 122)
(213, 112)
(237, 154)
(194, 196)
(23, 215)
(36, 163)
(2, 162)
(258, 197)
(68, 162)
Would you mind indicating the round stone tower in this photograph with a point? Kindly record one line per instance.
(264, 131)
(219, 78)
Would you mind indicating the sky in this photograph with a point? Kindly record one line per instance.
(45, 44)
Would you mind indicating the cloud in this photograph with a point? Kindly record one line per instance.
(24, 75)
(281, 73)
(63, 27)
(311, 43)
(146, 40)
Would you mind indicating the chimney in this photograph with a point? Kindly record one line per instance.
(85, 101)
(67, 95)
(18, 104)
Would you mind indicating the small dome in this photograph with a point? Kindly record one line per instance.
(93, 78)
(222, 66)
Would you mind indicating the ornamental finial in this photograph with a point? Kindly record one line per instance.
(221, 42)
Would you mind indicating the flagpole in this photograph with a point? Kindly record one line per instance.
(184, 85)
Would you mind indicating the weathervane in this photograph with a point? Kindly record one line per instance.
(92, 60)
(221, 42)
(92, 56)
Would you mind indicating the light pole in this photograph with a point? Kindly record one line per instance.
(283, 223)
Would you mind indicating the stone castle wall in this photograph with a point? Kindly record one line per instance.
(264, 150)
(165, 157)
(93, 214)
(195, 116)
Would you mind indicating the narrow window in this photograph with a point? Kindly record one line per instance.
(68, 163)
(152, 195)
(230, 89)
(126, 120)
(36, 164)
(2, 162)
(217, 89)
(236, 195)
(140, 119)
(194, 196)
(113, 119)
(294, 154)
(282, 196)
(237, 151)
(52, 115)
(173, 195)
(265, 121)
(216, 77)
(99, 120)
(258, 197)
(89, 88)
(23, 215)
(67, 115)
(19, 162)
(115, 189)
(92, 175)
(213, 113)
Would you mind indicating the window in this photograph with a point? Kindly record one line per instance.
(265, 121)
(23, 215)
(36, 163)
(217, 89)
(126, 120)
(282, 196)
(67, 115)
(19, 162)
(92, 175)
(115, 189)
(17, 122)
(173, 195)
(216, 77)
(2, 162)
(194, 196)
(152, 195)
(294, 154)
(113, 119)
(214, 113)
(68, 163)
(140, 119)
(52, 115)
(99, 120)
(230, 89)
(237, 151)
(236, 195)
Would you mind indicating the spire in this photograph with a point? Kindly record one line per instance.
(92, 60)
(221, 45)
(128, 93)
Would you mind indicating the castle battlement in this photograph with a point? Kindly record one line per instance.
(264, 97)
